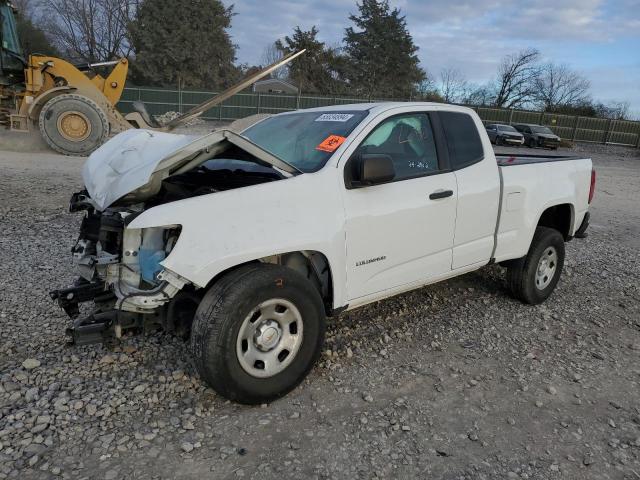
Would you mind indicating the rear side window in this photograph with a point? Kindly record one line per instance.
(463, 140)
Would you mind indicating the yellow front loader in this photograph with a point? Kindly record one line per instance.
(75, 113)
(73, 107)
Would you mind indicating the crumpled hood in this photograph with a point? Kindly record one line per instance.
(126, 162)
(135, 162)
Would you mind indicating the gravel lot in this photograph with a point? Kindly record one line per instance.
(452, 381)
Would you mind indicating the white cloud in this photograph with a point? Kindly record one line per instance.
(470, 35)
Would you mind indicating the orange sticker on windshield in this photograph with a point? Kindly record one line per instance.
(331, 143)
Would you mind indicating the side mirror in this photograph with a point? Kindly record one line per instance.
(373, 169)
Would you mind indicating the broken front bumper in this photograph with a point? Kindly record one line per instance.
(107, 257)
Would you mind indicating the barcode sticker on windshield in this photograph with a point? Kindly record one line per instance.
(334, 117)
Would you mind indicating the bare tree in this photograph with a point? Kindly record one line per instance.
(613, 110)
(516, 78)
(453, 85)
(24, 7)
(271, 54)
(559, 85)
(89, 30)
(478, 95)
(427, 90)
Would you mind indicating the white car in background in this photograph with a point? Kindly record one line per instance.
(504, 134)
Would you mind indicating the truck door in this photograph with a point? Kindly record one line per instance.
(401, 232)
(478, 182)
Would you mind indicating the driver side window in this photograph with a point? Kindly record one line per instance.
(408, 140)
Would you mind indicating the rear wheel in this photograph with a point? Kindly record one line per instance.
(257, 333)
(73, 124)
(533, 278)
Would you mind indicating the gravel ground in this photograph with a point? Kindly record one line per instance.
(451, 381)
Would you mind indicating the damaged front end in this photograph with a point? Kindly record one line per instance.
(119, 270)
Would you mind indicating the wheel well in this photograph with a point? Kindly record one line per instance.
(311, 264)
(559, 217)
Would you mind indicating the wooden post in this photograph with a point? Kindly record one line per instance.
(258, 103)
(575, 129)
(607, 131)
(510, 116)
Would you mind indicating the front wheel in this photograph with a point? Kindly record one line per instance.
(257, 333)
(531, 143)
(533, 278)
(499, 140)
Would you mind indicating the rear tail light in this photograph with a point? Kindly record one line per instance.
(592, 189)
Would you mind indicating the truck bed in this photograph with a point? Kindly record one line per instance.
(508, 159)
(539, 181)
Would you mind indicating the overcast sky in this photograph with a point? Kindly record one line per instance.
(599, 38)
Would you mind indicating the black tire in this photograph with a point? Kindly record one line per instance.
(223, 311)
(499, 141)
(522, 273)
(89, 120)
(531, 143)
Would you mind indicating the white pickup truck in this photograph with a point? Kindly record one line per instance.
(244, 240)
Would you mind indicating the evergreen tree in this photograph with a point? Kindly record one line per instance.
(183, 43)
(32, 38)
(313, 72)
(381, 55)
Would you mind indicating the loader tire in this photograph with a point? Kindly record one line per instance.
(73, 124)
(533, 278)
(257, 333)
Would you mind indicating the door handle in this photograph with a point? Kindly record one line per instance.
(441, 194)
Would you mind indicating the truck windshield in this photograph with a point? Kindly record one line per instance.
(305, 140)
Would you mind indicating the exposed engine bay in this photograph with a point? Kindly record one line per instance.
(236, 170)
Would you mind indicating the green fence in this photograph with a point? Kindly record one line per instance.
(569, 127)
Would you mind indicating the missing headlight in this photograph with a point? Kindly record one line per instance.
(156, 245)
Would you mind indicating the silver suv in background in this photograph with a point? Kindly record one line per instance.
(504, 134)
(538, 136)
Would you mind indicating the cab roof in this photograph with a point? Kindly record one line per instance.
(378, 107)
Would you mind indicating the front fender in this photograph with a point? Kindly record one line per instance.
(225, 229)
(38, 102)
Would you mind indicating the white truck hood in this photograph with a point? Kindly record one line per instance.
(126, 162)
(135, 162)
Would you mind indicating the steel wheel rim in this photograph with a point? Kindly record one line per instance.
(74, 126)
(546, 269)
(269, 338)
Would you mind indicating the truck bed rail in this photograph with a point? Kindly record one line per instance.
(507, 159)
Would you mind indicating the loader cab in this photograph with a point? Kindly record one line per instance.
(12, 61)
